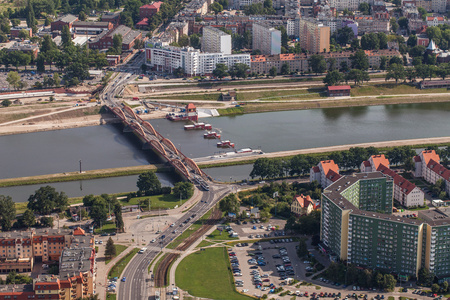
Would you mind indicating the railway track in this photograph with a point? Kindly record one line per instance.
(161, 273)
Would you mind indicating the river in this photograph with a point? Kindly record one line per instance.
(106, 146)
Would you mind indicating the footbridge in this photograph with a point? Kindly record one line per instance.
(162, 146)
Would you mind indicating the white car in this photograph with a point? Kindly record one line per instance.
(173, 224)
(152, 241)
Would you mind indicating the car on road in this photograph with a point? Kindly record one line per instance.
(173, 224)
(124, 279)
(152, 241)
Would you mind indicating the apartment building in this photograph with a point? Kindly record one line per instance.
(105, 39)
(373, 163)
(314, 36)
(66, 20)
(325, 173)
(261, 64)
(149, 10)
(382, 241)
(266, 38)
(343, 4)
(368, 24)
(168, 58)
(216, 41)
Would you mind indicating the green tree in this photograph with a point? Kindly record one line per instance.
(31, 18)
(117, 43)
(46, 199)
(183, 190)
(317, 63)
(403, 22)
(220, 71)
(302, 249)
(110, 249)
(46, 222)
(364, 8)
(422, 12)
(23, 34)
(240, 70)
(15, 22)
(412, 40)
(435, 288)
(99, 211)
(56, 79)
(216, 7)
(179, 72)
(394, 25)
(333, 78)
(28, 219)
(195, 40)
(359, 60)
(120, 225)
(357, 75)
(13, 78)
(148, 182)
(389, 282)
(396, 71)
(6, 103)
(82, 16)
(273, 71)
(7, 212)
(183, 40)
(229, 204)
(383, 63)
(285, 69)
(40, 63)
(66, 37)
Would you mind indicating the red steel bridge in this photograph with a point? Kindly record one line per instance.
(162, 146)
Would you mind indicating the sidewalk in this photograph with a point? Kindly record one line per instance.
(103, 270)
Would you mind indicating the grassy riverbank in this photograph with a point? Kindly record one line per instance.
(86, 175)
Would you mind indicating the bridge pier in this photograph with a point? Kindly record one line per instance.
(127, 128)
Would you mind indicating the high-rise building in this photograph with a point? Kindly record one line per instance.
(267, 39)
(314, 36)
(216, 41)
(357, 229)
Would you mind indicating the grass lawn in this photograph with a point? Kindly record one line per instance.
(205, 243)
(167, 201)
(110, 296)
(419, 208)
(193, 96)
(194, 227)
(205, 274)
(118, 268)
(391, 89)
(108, 227)
(215, 235)
(281, 94)
(119, 249)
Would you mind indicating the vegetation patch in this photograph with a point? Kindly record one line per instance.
(391, 89)
(207, 274)
(119, 249)
(118, 268)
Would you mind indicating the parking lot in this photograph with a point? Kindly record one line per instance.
(262, 264)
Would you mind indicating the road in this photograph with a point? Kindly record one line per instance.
(136, 272)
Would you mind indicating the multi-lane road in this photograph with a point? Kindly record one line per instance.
(136, 284)
(136, 273)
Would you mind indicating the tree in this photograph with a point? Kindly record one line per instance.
(46, 222)
(396, 72)
(82, 16)
(40, 63)
(31, 18)
(333, 78)
(412, 40)
(179, 72)
(364, 8)
(403, 22)
(56, 79)
(118, 214)
(302, 249)
(394, 25)
(195, 40)
(6, 103)
(220, 71)
(148, 182)
(435, 288)
(357, 75)
(110, 249)
(183, 40)
(273, 71)
(7, 212)
(13, 78)
(216, 7)
(422, 12)
(28, 219)
(183, 190)
(383, 62)
(359, 60)
(66, 37)
(317, 63)
(117, 43)
(370, 41)
(229, 204)
(99, 211)
(23, 34)
(46, 199)
(47, 21)
(424, 277)
(240, 70)
(285, 69)
(15, 22)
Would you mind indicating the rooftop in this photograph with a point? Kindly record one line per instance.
(339, 87)
(90, 24)
(218, 31)
(75, 260)
(67, 18)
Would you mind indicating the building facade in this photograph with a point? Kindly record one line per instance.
(314, 36)
(215, 40)
(194, 62)
(302, 205)
(266, 39)
(66, 20)
(325, 173)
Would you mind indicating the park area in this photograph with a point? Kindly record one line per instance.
(205, 274)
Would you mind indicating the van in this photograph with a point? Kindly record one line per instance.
(142, 250)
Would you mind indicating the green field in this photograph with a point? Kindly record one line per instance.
(215, 235)
(391, 89)
(167, 201)
(119, 249)
(108, 227)
(205, 274)
(118, 268)
(110, 296)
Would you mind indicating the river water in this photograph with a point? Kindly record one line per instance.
(106, 146)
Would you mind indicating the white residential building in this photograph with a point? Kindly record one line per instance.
(427, 165)
(266, 38)
(325, 173)
(168, 58)
(373, 163)
(343, 4)
(216, 41)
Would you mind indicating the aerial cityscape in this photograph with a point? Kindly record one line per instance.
(225, 150)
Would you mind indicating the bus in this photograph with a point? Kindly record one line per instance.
(204, 186)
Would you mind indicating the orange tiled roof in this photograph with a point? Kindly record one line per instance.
(79, 231)
(303, 201)
(405, 185)
(430, 154)
(380, 160)
(328, 165)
